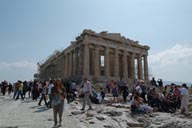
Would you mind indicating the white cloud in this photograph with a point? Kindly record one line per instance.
(20, 70)
(173, 64)
(175, 55)
(20, 65)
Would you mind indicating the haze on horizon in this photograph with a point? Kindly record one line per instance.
(32, 30)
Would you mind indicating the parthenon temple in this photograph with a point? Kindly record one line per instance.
(98, 56)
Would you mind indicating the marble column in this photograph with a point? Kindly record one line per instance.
(81, 58)
(125, 72)
(70, 64)
(140, 70)
(128, 66)
(146, 74)
(66, 65)
(96, 64)
(133, 66)
(86, 61)
(116, 63)
(75, 62)
(64, 74)
(107, 68)
(91, 60)
(63, 67)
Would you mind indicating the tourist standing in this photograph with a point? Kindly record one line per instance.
(49, 93)
(114, 90)
(153, 82)
(10, 88)
(102, 94)
(24, 88)
(87, 92)
(184, 99)
(43, 95)
(20, 93)
(58, 91)
(29, 86)
(125, 92)
(4, 87)
(35, 91)
(120, 84)
(15, 89)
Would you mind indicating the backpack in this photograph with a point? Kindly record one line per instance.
(56, 100)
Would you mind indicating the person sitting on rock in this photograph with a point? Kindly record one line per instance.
(162, 102)
(94, 97)
(137, 105)
(176, 96)
(135, 109)
(153, 98)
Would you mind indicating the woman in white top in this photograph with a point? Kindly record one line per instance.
(184, 99)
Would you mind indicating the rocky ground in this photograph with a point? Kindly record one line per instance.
(27, 114)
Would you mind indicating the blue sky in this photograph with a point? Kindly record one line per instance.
(30, 30)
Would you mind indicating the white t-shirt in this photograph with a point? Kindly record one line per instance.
(184, 91)
(87, 87)
(49, 88)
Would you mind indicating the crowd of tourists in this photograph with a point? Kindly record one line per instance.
(169, 98)
(52, 92)
(143, 98)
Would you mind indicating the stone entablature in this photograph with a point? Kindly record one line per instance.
(123, 58)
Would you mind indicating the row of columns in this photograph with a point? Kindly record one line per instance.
(77, 62)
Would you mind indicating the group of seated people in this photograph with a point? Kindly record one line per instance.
(146, 100)
(166, 101)
(162, 102)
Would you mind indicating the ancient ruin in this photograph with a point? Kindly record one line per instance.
(98, 56)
